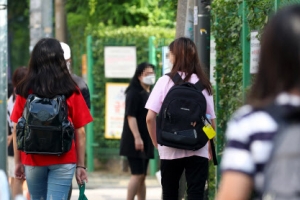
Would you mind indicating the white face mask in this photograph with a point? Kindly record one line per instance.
(170, 65)
(149, 80)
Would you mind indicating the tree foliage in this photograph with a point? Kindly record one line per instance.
(115, 13)
(81, 13)
(227, 29)
(18, 33)
(133, 12)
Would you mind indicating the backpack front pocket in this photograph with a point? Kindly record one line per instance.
(43, 140)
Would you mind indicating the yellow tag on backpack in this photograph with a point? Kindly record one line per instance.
(209, 131)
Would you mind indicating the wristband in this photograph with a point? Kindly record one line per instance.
(80, 167)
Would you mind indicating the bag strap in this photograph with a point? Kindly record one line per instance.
(178, 80)
(214, 155)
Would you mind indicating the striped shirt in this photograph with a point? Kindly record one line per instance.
(249, 140)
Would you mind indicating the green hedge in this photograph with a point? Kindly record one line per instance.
(227, 28)
(122, 36)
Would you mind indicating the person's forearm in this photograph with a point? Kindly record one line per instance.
(80, 145)
(151, 125)
(235, 186)
(213, 123)
(132, 122)
(17, 155)
(9, 139)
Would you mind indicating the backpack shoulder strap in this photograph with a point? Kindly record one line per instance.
(176, 79)
(214, 154)
(199, 86)
(26, 106)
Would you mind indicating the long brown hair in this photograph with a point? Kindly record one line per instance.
(18, 75)
(187, 61)
(279, 64)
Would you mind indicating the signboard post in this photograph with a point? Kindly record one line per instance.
(184, 19)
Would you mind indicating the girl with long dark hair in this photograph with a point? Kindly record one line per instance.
(50, 176)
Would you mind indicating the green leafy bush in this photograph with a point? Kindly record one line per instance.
(226, 28)
(227, 24)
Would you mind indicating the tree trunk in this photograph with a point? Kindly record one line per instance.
(60, 21)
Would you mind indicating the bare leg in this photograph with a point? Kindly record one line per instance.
(141, 194)
(17, 187)
(134, 185)
(26, 191)
(11, 184)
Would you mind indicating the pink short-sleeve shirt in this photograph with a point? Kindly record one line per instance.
(154, 103)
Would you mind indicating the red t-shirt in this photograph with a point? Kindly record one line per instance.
(78, 114)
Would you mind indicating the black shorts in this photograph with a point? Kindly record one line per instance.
(138, 165)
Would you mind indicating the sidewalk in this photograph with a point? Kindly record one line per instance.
(104, 179)
(109, 186)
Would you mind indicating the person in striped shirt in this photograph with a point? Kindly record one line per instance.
(251, 130)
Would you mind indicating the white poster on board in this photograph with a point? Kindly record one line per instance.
(254, 52)
(119, 62)
(114, 109)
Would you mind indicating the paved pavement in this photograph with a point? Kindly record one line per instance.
(104, 186)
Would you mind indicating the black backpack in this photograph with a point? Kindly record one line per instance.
(282, 171)
(44, 127)
(183, 105)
